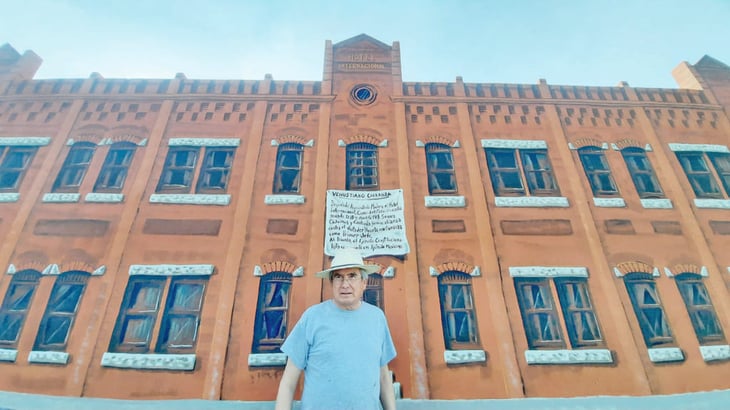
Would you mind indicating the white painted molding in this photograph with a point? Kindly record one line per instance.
(655, 273)
(25, 141)
(604, 146)
(341, 143)
(274, 143)
(648, 148)
(571, 146)
(456, 144)
(204, 142)
(531, 201)
(9, 197)
(476, 272)
(298, 272)
(309, 143)
(420, 144)
(445, 201)
(668, 273)
(149, 361)
(37, 356)
(548, 272)
(51, 269)
(284, 199)
(191, 199)
(677, 147)
(266, 359)
(172, 270)
(715, 353)
(383, 143)
(99, 271)
(514, 144)
(61, 197)
(465, 356)
(11, 269)
(103, 197)
(704, 272)
(665, 354)
(389, 272)
(609, 202)
(8, 355)
(657, 203)
(614, 147)
(618, 273)
(582, 356)
(434, 272)
(712, 203)
(257, 271)
(142, 143)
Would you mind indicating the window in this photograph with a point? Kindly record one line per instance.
(440, 169)
(597, 171)
(135, 329)
(699, 306)
(362, 166)
(14, 163)
(116, 165)
(374, 291)
(512, 170)
(458, 315)
(180, 166)
(15, 306)
(272, 312)
(701, 176)
(61, 310)
(287, 175)
(642, 173)
(648, 309)
(541, 318)
(74, 167)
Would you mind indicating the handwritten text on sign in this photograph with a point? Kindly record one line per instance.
(371, 221)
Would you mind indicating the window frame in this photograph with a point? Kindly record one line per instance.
(569, 311)
(447, 282)
(630, 155)
(262, 343)
(76, 279)
(521, 173)
(440, 154)
(598, 172)
(209, 167)
(6, 169)
(694, 176)
(361, 159)
(77, 170)
(171, 167)
(31, 279)
(531, 314)
(282, 169)
(374, 293)
(109, 168)
(632, 281)
(685, 280)
(164, 342)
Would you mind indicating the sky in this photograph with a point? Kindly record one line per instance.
(588, 42)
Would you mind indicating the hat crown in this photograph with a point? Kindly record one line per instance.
(346, 257)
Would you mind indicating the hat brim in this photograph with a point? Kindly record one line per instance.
(325, 274)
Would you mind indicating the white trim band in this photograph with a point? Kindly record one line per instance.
(514, 144)
(38, 356)
(171, 270)
(583, 356)
(204, 142)
(665, 354)
(446, 201)
(531, 202)
(464, 356)
(548, 272)
(678, 147)
(266, 359)
(149, 361)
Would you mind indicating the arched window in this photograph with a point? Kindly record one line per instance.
(440, 168)
(597, 171)
(61, 311)
(374, 291)
(642, 173)
(458, 315)
(287, 176)
(116, 166)
(15, 306)
(362, 166)
(648, 309)
(272, 311)
(74, 167)
(699, 307)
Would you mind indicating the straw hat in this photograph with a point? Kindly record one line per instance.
(347, 258)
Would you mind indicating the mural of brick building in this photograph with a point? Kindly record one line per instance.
(160, 236)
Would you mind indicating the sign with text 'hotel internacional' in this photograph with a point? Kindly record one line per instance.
(371, 221)
(362, 60)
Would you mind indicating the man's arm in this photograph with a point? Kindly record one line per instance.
(287, 385)
(387, 395)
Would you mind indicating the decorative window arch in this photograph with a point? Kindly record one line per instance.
(458, 314)
(15, 306)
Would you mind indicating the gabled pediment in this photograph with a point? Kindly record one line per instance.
(363, 42)
(709, 62)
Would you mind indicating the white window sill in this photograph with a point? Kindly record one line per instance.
(583, 356)
(712, 203)
(715, 353)
(38, 356)
(53, 197)
(9, 197)
(666, 354)
(104, 197)
(531, 201)
(445, 201)
(149, 361)
(464, 356)
(609, 202)
(266, 359)
(191, 199)
(8, 355)
(657, 203)
(284, 199)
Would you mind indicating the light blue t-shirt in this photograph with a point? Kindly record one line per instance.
(341, 353)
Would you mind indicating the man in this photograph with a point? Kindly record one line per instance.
(343, 345)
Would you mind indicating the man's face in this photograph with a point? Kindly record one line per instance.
(348, 286)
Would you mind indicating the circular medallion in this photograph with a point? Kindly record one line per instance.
(363, 94)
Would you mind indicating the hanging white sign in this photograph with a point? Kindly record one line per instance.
(371, 221)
